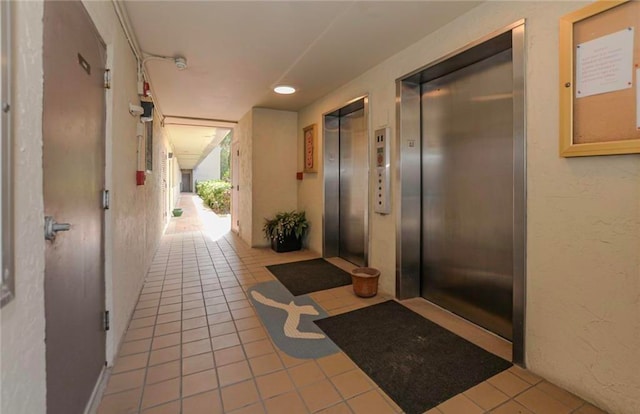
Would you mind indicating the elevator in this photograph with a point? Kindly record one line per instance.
(467, 192)
(346, 166)
(461, 185)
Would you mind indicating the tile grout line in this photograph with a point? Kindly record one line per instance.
(215, 366)
(153, 331)
(242, 347)
(180, 389)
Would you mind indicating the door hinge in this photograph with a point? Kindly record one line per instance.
(238, 153)
(107, 78)
(105, 199)
(238, 187)
(106, 320)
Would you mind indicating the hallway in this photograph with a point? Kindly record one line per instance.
(167, 311)
(195, 345)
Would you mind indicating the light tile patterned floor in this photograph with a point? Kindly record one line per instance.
(196, 346)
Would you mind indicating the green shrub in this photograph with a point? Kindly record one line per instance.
(216, 194)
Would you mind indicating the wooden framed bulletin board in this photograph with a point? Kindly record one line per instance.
(599, 75)
(310, 149)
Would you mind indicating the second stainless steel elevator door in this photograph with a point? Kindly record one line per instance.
(467, 192)
(353, 186)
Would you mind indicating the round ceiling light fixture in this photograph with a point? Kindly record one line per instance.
(284, 89)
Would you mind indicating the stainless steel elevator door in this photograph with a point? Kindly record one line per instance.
(467, 192)
(353, 186)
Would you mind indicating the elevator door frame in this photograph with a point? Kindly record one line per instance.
(408, 177)
(331, 168)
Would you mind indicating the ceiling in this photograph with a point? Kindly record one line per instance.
(237, 51)
(192, 144)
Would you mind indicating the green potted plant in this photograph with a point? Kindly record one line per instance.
(286, 230)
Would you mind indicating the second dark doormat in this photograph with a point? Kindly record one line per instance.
(309, 276)
(416, 362)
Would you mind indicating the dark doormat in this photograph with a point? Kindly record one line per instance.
(416, 362)
(310, 276)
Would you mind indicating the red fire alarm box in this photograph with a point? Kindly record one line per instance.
(140, 177)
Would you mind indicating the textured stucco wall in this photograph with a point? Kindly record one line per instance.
(267, 181)
(242, 135)
(209, 168)
(22, 324)
(125, 242)
(174, 178)
(135, 221)
(583, 265)
(274, 169)
(583, 307)
(171, 175)
(155, 199)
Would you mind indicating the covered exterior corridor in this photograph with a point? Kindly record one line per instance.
(423, 140)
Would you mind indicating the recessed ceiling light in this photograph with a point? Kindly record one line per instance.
(284, 89)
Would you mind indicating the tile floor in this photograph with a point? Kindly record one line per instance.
(195, 345)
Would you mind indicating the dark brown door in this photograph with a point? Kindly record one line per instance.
(186, 181)
(73, 157)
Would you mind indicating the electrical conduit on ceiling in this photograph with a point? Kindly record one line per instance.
(142, 58)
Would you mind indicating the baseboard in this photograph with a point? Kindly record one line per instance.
(98, 390)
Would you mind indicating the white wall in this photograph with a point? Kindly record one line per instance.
(136, 220)
(133, 224)
(175, 177)
(22, 324)
(268, 180)
(155, 199)
(209, 168)
(583, 261)
(125, 221)
(274, 170)
(242, 135)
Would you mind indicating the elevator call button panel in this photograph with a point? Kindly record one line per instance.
(382, 200)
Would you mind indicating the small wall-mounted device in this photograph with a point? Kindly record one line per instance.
(181, 63)
(135, 110)
(140, 177)
(147, 115)
(382, 198)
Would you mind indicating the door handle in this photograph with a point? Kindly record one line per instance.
(51, 227)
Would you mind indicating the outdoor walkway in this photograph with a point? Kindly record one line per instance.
(196, 346)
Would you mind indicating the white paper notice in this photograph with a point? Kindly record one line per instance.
(605, 64)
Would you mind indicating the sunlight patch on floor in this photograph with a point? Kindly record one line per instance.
(215, 226)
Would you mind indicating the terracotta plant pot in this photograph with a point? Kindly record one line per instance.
(365, 281)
